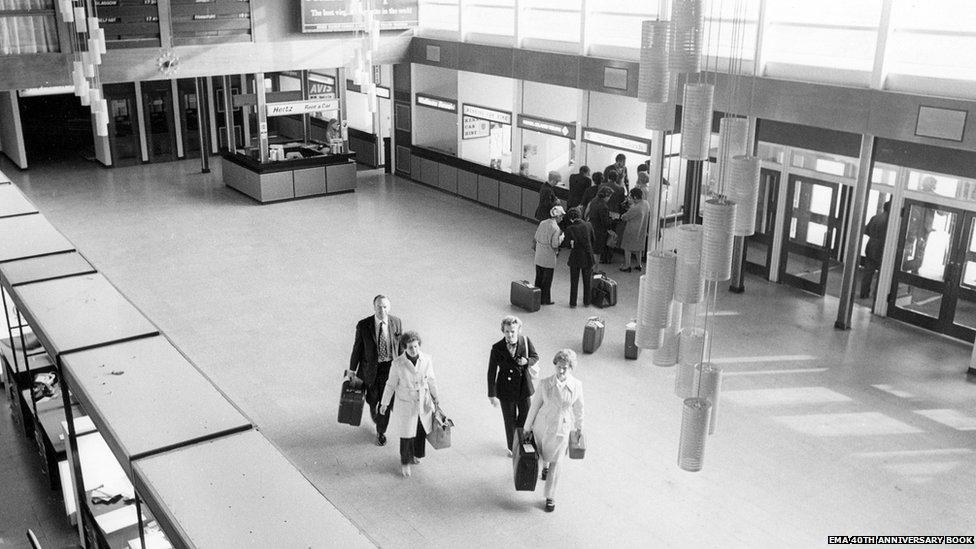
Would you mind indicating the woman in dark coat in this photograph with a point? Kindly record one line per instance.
(580, 236)
(512, 369)
(599, 217)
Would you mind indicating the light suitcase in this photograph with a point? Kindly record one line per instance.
(577, 445)
(603, 286)
(631, 350)
(526, 296)
(592, 334)
(525, 461)
(351, 402)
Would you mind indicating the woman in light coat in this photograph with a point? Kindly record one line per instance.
(548, 236)
(635, 232)
(557, 409)
(413, 385)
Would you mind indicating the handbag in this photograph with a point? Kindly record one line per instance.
(440, 430)
(577, 445)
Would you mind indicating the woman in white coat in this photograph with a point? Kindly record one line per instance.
(413, 385)
(557, 409)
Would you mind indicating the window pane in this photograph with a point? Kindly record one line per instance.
(821, 47)
(827, 12)
(551, 25)
(439, 15)
(490, 19)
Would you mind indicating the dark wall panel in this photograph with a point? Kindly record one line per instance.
(439, 53)
(808, 137)
(493, 60)
(596, 73)
(926, 157)
(548, 68)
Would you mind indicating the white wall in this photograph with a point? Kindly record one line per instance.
(615, 113)
(493, 92)
(433, 128)
(11, 132)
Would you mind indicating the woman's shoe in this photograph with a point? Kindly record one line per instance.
(416, 460)
(625, 269)
(405, 470)
(545, 473)
(550, 505)
(638, 267)
(509, 453)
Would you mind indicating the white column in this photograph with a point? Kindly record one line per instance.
(141, 120)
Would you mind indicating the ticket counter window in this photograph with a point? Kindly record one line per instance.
(487, 143)
(542, 153)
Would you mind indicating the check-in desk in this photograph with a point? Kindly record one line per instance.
(312, 173)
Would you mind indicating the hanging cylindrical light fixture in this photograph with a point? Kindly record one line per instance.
(648, 336)
(696, 120)
(654, 79)
(694, 426)
(659, 116)
(689, 286)
(710, 380)
(718, 217)
(667, 355)
(733, 140)
(659, 288)
(691, 342)
(743, 189)
(687, 22)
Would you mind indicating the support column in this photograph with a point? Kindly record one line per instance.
(262, 107)
(693, 176)
(204, 133)
(852, 251)
(306, 118)
(736, 284)
(656, 173)
(228, 114)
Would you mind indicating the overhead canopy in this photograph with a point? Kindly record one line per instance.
(13, 202)
(42, 268)
(79, 312)
(239, 491)
(27, 236)
(145, 397)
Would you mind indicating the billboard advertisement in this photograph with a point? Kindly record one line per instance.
(336, 16)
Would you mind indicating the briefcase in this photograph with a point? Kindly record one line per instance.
(577, 445)
(440, 430)
(603, 290)
(592, 334)
(525, 461)
(351, 402)
(631, 350)
(526, 296)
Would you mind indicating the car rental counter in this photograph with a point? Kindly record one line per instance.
(307, 170)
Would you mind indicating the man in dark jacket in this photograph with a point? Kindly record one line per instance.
(547, 196)
(377, 344)
(581, 261)
(875, 232)
(619, 167)
(590, 193)
(599, 218)
(578, 183)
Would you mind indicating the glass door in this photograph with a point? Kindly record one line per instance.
(123, 132)
(813, 226)
(759, 245)
(157, 101)
(187, 101)
(934, 284)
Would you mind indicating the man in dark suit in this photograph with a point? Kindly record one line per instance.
(619, 167)
(511, 368)
(377, 344)
(581, 260)
(578, 183)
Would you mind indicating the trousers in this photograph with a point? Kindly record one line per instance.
(514, 413)
(374, 393)
(413, 447)
(543, 281)
(574, 276)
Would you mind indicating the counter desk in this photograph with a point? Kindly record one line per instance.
(313, 174)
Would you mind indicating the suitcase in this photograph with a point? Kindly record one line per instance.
(351, 402)
(592, 334)
(526, 296)
(631, 350)
(603, 285)
(577, 445)
(525, 461)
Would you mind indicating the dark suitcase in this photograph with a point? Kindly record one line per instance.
(525, 461)
(526, 296)
(603, 291)
(631, 350)
(592, 334)
(351, 402)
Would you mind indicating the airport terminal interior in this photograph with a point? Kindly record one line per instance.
(199, 201)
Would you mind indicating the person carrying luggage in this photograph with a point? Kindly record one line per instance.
(373, 351)
(511, 371)
(556, 411)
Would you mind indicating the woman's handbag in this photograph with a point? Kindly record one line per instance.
(440, 430)
(577, 445)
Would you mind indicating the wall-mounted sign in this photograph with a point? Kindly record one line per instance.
(484, 113)
(439, 103)
(941, 123)
(381, 91)
(552, 127)
(302, 107)
(617, 141)
(474, 128)
(334, 15)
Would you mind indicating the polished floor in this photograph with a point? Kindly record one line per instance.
(820, 432)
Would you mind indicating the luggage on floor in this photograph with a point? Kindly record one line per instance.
(525, 461)
(603, 291)
(577, 445)
(631, 350)
(526, 296)
(351, 402)
(440, 430)
(592, 334)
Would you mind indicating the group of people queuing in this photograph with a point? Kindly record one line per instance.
(602, 213)
(401, 390)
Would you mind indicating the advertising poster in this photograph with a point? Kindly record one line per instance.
(335, 15)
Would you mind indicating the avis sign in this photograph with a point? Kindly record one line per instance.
(301, 107)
